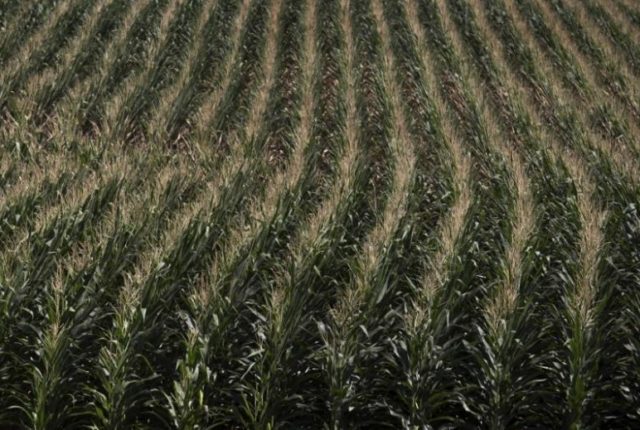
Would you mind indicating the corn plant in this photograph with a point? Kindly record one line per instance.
(48, 54)
(234, 106)
(133, 116)
(605, 120)
(130, 58)
(86, 58)
(319, 214)
(633, 15)
(21, 213)
(551, 185)
(207, 73)
(620, 39)
(8, 10)
(610, 77)
(33, 18)
(23, 291)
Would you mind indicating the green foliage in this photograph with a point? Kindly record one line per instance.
(151, 277)
(130, 58)
(46, 55)
(34, 18)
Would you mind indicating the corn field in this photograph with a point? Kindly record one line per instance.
(319, 214)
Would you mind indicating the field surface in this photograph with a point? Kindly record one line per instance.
(308, 214)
